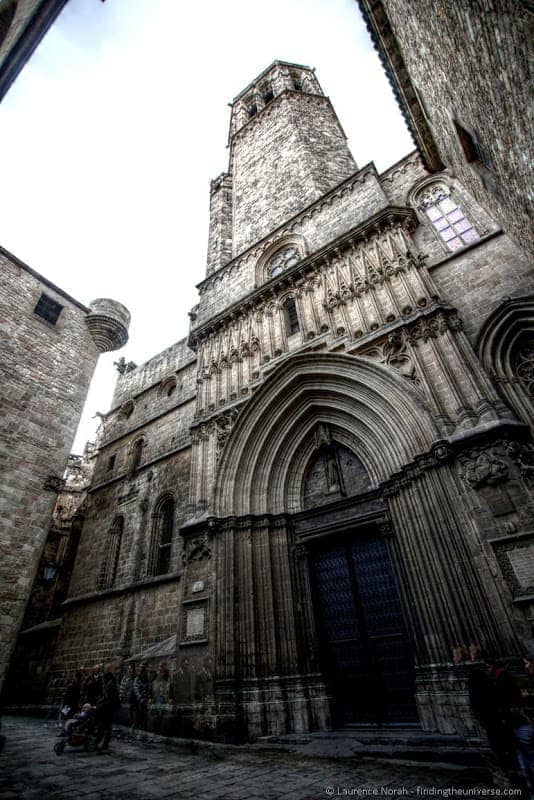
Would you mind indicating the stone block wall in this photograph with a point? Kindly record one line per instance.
(133, 379)
(475, 282)
(469, 64)
(45, 372)
(292, 148)
(337, 212)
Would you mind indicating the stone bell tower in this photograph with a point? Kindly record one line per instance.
(287, 149)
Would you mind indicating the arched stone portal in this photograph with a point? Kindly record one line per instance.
(405, 522)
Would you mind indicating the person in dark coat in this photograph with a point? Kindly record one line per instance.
(93, 686)
(127, 693)
(142, 691)
(71, 698)
(494, 697)
(106, 708)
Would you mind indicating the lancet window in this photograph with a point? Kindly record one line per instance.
(291, 316)
(162, 536)
(447, 217)
(108, 572)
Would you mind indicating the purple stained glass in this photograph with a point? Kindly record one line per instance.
(456, 215)
(447, 234)
(462, 225)
(454, 244)
(447, 205)
(441, 224)
(434, 213)
(470, 235)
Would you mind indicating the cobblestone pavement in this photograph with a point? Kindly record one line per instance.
(30, 770)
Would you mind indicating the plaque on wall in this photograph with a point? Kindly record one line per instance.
(194, 622)
(515, 555)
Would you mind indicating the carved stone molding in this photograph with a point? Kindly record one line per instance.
(197, 549)
(432, 327)
(392, 352)
(439, 454)
(523, 457)
(382, 266)
(484, 466)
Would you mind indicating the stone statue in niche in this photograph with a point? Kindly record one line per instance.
(322, 435)
(483, 467)
(334, 471)
(333, 478)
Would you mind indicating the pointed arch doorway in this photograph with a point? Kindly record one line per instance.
(364, 650)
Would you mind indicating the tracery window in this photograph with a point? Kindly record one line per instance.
(162, 534)
(282, 260)
(108, 572)
(524, 365)
(447, 217)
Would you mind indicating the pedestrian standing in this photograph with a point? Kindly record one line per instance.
(142, 690)
(127, 694)
(106, 708)
(161, 696)
(71, 698)
(93, 686)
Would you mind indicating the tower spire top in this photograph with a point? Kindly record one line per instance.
(278, 78)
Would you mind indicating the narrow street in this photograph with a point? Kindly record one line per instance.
(30, 770)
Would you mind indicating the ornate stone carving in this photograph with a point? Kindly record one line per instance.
(483, 467)
(393, 353)
(282, 260)
(432, 327)
(223, 425)
(524, 365)
(523, 456)
(197, 549)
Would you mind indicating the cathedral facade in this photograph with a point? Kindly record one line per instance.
(307, 505)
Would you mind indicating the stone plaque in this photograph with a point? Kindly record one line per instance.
(522, 561)
(198, 586)
(195, 622)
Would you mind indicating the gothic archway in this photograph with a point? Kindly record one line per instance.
(376, 414)
(506, 349)
(405, 522)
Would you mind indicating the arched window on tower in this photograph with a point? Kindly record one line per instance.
(108, 572)
(282, 260)
(291, 316)
(136, 456)
(159, 561)
(446, 216)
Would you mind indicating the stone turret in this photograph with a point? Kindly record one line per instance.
(108, 323)
(287, 145)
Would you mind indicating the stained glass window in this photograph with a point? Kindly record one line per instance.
(447, 217)
(282, 260)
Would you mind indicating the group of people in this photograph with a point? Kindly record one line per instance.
(160, 692)
(141, 692)
(95, 695)
(504, 709)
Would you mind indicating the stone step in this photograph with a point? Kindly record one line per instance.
(405, 745)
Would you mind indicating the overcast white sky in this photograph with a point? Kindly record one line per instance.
(112, 132)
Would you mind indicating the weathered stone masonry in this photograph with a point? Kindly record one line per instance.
(45, 370)
(348, 419)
